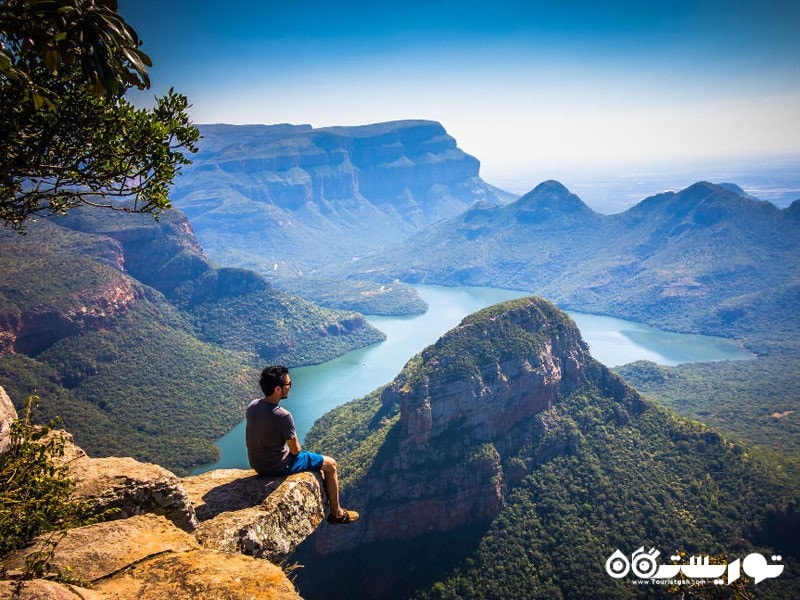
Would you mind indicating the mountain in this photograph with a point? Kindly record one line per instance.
(288, 200)
(505, 462)
(128, 332)
(705, 259)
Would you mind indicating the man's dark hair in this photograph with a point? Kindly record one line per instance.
(272, 377)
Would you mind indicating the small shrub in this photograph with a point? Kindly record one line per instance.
(34, 490)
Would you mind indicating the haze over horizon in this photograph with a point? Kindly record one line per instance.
(590, 93)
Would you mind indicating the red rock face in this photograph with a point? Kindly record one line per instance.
(490, 403)
(402, 504)
(493, 400)
(463, 494)
(34, 330)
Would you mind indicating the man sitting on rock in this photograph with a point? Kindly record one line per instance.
(272, 445)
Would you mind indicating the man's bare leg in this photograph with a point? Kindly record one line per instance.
(331, 474)
(332, 484)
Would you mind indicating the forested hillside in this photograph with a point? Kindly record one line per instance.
(755, 402)
(702, 260)
(127, 332)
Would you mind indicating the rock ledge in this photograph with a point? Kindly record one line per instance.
(210, 536)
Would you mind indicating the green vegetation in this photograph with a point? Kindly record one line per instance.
(366, 297)
(142, 388)
(601, 469)
(295, 332)
(58, 35)
(34, 489)
(74, 275)
(354, 433)
(657, 481)
(67, 136)
(756, 402)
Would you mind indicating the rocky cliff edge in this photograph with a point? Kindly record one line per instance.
(221, 534)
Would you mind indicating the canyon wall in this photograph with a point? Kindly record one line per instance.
(298, 198)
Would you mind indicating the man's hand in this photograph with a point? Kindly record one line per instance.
(294, 446)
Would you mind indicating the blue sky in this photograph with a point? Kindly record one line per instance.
(533, 89)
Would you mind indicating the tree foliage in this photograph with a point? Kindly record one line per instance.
(755, 401)
(62, 33)
(35, 496)
(67, 136)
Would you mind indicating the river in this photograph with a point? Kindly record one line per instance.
(320, 388)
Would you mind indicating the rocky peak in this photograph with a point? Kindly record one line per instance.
(467, 404)
(550, 200)
(552, 195)
(499, 366)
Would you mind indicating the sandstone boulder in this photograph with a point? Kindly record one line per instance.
(200, 575)
(41, 589)
(70, 451)
(264, 517)
(132, 487)
(97, 551)
(146, 556)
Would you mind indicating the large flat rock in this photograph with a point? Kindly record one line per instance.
(97, 551)
(146, 556)
(201, 575)
(265, 517)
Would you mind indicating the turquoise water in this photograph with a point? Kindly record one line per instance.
(318, 389)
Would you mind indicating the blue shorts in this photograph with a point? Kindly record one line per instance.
(305, 461)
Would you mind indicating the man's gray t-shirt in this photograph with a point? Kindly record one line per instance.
(269, 426)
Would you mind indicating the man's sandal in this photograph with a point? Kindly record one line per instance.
(347, 517)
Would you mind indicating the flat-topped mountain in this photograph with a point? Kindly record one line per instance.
(290, 199)
(704, 259)
(505, 462)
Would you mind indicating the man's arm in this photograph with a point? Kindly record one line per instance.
(294, 446)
